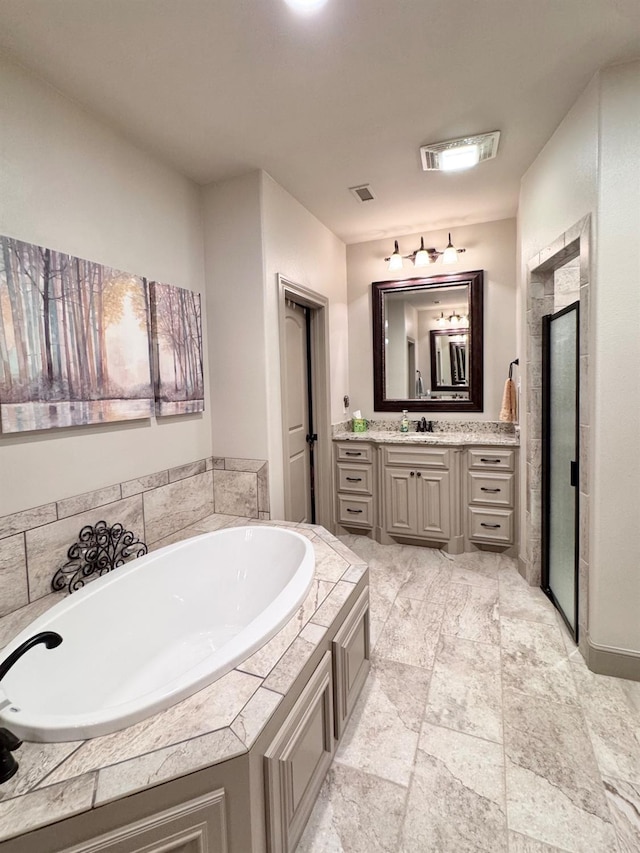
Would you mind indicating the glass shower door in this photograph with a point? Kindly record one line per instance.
(560, 390)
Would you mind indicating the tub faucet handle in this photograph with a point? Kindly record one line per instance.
(8, 744)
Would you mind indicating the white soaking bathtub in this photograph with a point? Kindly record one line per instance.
(154, 631)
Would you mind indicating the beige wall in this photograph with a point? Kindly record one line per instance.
(615, 503)
(70, 183)
(254, 230)
(490, 246)
(590, 166)
(235, 303)
(300, 248)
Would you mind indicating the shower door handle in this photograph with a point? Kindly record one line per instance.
(574, 473)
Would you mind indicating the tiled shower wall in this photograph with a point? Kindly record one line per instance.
(34, 542)
(541, 300)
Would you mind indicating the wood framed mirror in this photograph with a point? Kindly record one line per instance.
(419, 371)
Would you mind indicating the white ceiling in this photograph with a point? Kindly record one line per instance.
(219, 87)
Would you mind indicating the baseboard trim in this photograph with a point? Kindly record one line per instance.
(608, 661)
(522, 567)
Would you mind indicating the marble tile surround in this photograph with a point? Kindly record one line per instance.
(217, 723)
(34, 542)
(497, 741)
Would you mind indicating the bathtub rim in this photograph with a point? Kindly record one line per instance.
(49, 728)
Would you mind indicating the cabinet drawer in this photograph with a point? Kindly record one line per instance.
(353, 451)
(355, 478)
(350, 661)
(491, 525)
(494, 489)
(417, 457)
(297, 760)
(354, 511)
(491, 459)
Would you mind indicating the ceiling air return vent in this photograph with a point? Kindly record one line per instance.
(482, 146)
(362, 193)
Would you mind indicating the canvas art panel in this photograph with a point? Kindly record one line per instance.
(74, 341)
(177, 337)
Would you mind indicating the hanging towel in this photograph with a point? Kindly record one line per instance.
(419, 385)
(509, 410)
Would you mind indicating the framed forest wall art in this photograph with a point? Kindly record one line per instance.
(74, 341)
(176, 321)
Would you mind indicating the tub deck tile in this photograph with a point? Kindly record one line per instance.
(154, 768)
(46, 805)
(255, 715)
(217, 723)
(210, 709)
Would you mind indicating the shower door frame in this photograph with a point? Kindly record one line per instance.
(546, 466)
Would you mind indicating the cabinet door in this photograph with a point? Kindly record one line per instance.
(298, 759)
(197, 826)
(400, 501)
(434, 509)
(351, 660)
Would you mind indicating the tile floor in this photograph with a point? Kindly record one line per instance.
(480, 728)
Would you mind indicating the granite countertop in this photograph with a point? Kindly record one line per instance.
(448, 439)
(219, 722)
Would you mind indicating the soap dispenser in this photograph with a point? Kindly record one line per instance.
(404, 422)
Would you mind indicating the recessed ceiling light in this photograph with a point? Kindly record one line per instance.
(306, 7)
(464, 157)
(460, 153)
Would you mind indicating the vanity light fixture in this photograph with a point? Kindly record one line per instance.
(441, 319)
(422, 256)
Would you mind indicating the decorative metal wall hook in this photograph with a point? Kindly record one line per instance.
(99, 550)
(515, 361)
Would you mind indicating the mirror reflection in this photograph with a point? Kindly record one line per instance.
(427, 336)
(420, 343)
(449, 360)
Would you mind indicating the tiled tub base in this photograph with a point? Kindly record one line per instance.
(203, 760)
(34, 542)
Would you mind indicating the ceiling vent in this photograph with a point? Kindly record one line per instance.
(459, 153)
(362, 193)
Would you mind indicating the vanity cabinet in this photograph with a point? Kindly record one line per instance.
(354, 474)
(454, 496)
(417, 493)
(491, 495)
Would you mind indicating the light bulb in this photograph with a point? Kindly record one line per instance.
(462, 157)
(395, 261)
(422, 258)
(450, 254)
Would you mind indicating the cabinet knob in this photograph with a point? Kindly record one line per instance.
(419, 474)
(413, 473)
